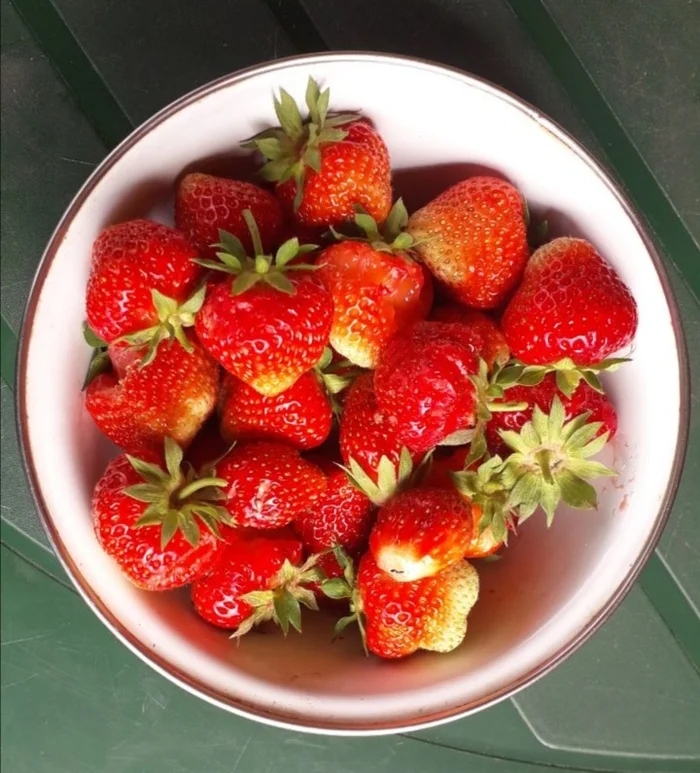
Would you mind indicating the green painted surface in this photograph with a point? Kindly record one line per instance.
(71, 88)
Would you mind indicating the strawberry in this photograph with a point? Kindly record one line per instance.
(131, 261)
(376, 461)
(377, 287)
(397, 619)
(270, 324)
(137, 407)
(425, 383)
(444, 461)
(421, 532)
(300, 416)
(571, 305)
(342, 516)
(255, 580)
(583, 399)
(205, 205)
(473, 238)
(269, 484)
(493, 347)
(325, 165)
(147, 518)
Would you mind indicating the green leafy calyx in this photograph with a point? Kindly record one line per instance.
(295, 145)
(248, 270)
(391, 479)
(99, 360)
(551, 462)
(173, 318)
(345, 587)
(391, 236)
(282, 602)
(335, 377)
(568, 374)
(177, 499)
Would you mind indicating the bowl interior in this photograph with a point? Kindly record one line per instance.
(552, 584)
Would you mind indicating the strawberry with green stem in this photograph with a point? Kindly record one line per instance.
(148, 517)
(377, 286)
(270, 322)
(396, 619)
(258, 579)
(325, 165)
(572, 310)
(133, 263)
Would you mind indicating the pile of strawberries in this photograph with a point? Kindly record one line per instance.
(320, 398)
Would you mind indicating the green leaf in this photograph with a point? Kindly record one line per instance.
(288, 251)
(149, 472)
(343, 623)
(498, 527)
(532, 376)
(405, 465)
(280, 282)
(91, 338)
(575, 491)
(459, 438)
(170, 526)
(567, 381)
(99, 363)
(336, 588)
(194, 303)
(213, 264)
(336, 384)
(288, 115)
(271, 147)
(243, 283)
(287, 611)
(369, 225)
(188, 526)
(145, 492)
(312, 157)
(592, 380)
(152, 517)
(386, 475)
(173, 457)
(232, 245)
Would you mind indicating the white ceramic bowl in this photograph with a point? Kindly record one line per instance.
(552, 589)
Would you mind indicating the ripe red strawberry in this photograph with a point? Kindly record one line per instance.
(270, 324)
(256, 579)
(444, 461)
(137, 407)
(369, 446)
(205, 205)
(300, 416)
(129, 261)
(398, 618)
(571, 304)
(421, 532)
(325, 165)
(584, 399)
(148, 515)
(493, 347)
(473, 238)
(377, 287)
(342, 516)
(425, 383)
(269, 484)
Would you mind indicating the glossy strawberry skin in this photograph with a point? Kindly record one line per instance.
(493, 347)
(137, 550)
(205, 204)
(403, 617)
(571, 303)
(137, 408)
(375, 294)
(269, 484)
(473, 238)
(301, 416)
(424, 383)
(129, 260)
(265, 337)
(248, 563)
(583, 399)
(354, 171)
(366, 432)
(421, 532)
(342, 516)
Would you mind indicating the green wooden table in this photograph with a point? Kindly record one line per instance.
(77, 76)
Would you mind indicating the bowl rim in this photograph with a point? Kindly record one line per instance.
(161, 665)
